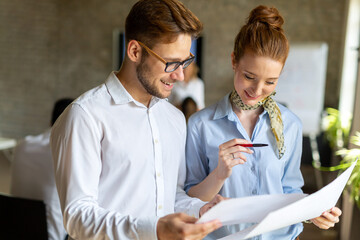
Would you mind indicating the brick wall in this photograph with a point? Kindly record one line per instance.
(52, 49)
(28, 65)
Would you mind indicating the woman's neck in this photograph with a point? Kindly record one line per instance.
(248, 118)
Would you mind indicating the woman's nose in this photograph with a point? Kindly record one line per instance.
(257, 88)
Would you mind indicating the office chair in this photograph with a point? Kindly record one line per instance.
(22, 218)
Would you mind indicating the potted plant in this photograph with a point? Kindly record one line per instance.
(336, 127)
(352, 191)
(348, 157)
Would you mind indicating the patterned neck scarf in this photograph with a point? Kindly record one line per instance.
(273, 110)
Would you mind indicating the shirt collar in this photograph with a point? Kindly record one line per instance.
(119, 93)
(224, 109)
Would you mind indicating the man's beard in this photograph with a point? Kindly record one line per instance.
(142, 72)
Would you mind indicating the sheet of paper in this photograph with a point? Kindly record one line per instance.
(272, 212)
(248, 209)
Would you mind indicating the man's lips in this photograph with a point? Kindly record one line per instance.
(167, 83)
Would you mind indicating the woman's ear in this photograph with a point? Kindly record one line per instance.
(134, 51)
(233, 61)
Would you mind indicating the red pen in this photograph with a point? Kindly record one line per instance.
(253, 145)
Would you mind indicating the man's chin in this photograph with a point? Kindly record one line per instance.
(162, 96)
(165, 94)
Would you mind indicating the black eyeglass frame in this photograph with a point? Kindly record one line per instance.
(184, 63)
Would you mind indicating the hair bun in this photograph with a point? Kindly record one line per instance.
(266, 15)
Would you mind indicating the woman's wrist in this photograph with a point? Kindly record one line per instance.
(218, 176)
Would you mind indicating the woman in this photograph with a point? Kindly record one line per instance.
(215, 161)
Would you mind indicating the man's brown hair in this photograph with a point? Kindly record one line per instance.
(153, 21)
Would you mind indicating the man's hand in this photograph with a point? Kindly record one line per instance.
(181, 226)
(327, 219)
(218, 198)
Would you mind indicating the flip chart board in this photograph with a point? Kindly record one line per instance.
(301, 85)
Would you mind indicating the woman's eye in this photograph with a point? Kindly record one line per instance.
(248, 77)
(270, 83)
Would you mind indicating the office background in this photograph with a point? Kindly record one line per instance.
(52, 49)
(61, 48)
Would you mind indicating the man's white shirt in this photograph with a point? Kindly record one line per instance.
(119, 165)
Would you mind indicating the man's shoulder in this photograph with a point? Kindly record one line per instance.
(173, 113)
(92, 95)
(170, 107)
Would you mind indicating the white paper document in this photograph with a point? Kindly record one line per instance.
(272, 212)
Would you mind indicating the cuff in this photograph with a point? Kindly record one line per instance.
(146, 228)
(195, 208)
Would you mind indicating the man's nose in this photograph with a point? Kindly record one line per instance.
(178, 74)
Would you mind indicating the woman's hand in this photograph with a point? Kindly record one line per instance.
(327, 219)
(230, 155)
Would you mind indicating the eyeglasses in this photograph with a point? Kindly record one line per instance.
(170, 66)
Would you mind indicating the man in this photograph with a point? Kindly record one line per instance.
(33, 174)
(119, 150)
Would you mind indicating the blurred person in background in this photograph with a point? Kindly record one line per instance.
(33, 174)
(191, 87)
(188, 107)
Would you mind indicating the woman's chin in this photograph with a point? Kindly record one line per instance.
(251, 103)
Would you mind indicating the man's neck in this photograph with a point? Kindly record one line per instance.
(132, 85)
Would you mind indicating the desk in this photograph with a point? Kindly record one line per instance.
(6, 143)
(6, 146)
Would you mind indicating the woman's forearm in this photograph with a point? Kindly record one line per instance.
(208, 188)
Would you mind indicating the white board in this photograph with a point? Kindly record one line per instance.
(301, 85)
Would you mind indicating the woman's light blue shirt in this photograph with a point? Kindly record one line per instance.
(263, 173)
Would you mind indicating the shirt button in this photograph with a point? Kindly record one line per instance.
(160, 207)
(158, 174)
(253, 168)
(254, 191)
(156, 141)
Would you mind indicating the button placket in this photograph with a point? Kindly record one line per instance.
(158, 165)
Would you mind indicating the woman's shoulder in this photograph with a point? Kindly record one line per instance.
(205, 115)
(288, 116)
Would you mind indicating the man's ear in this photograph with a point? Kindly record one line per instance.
(134, 51)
